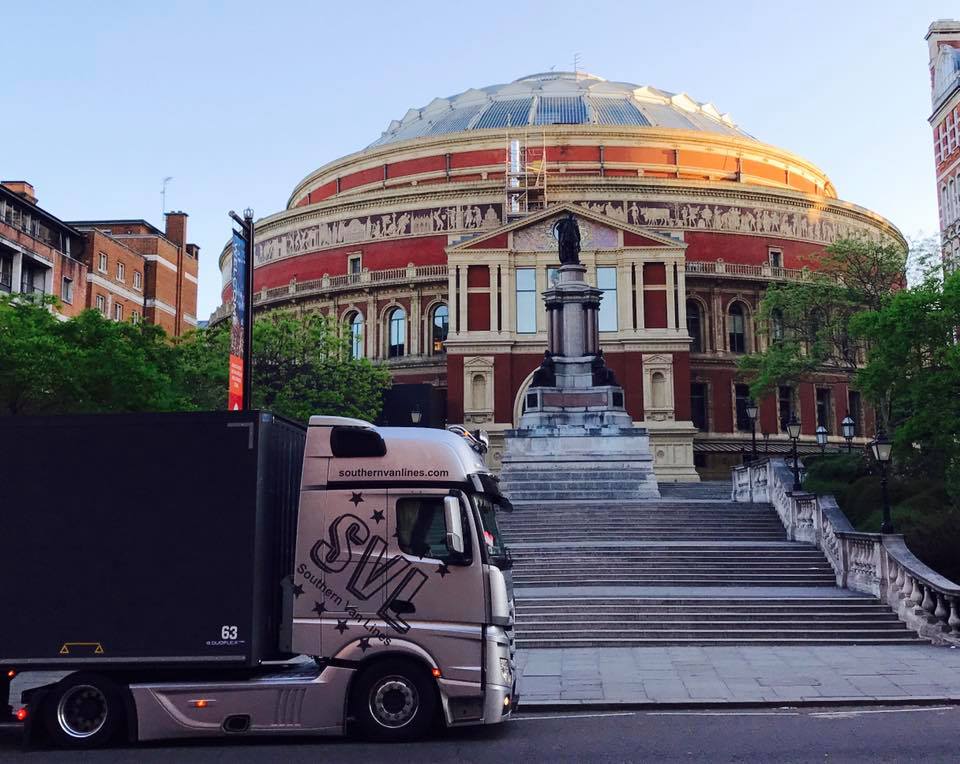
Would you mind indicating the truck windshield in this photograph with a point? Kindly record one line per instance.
(491, 532)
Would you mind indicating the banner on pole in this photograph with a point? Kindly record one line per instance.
(235, 391)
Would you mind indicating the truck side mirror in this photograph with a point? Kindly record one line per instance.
(451, 516)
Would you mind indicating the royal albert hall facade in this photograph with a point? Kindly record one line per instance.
(432, 245)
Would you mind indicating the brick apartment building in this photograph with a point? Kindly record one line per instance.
(943, 45)
(128, 270)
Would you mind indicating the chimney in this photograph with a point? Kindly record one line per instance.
(21, 188)
(177, 228)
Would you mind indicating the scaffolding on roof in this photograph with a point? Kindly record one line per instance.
(525, 173)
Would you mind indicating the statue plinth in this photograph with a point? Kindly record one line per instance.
(575, 430)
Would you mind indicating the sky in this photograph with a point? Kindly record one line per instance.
(238, 101)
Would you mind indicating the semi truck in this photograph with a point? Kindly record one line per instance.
(234, 573)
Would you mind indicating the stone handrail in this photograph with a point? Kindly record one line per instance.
(872, 563)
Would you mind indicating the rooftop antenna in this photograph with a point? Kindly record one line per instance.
(576, 63)
(163, 195)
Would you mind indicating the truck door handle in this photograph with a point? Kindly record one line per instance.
(403, 606)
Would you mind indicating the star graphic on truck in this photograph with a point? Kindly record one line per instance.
(319, 608)
(297, 590)
(364, 644)
(377, 515)
(443, 570)
(356, 498)
(342, 626)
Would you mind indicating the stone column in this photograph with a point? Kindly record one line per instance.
(370, 328)
(17, 274)
(682, 295)
(416, 347)
(671, 297)
(494, 327)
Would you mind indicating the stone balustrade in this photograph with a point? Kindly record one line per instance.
(872, 563)
(410, 274)
(764, 272)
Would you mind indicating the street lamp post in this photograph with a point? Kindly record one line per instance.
(882, 447)
(848, 426)
(822, 439)
(416, 415)
(766, 443)
(752, 412)
(793, 430)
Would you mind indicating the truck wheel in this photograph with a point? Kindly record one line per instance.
(394, 700)
(83, 711)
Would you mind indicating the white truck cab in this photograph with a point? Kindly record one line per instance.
(387, 601)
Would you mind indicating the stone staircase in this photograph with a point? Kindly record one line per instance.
(526, 484)
(691, 569)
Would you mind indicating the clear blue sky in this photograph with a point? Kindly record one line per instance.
(240, 100)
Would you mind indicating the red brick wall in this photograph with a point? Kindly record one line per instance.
(681, 385)
(749, 250)
(478, 311)
(655, 308)
(454, 387)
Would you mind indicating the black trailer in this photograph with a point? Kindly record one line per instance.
(155, 540)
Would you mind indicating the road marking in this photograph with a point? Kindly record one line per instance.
(862, 712)
(571, 716)
(723, 713)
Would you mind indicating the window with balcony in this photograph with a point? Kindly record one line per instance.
(354, 264)
(607, 281)
(396, 333)
(776, 257)
(526, 300)
(33, 280)
(439, 327)
(695, 326)
(737, 329)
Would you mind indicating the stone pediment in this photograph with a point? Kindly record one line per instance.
(534, 233)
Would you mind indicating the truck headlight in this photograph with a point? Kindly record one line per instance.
(505, 671)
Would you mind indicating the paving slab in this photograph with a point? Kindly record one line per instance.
(697, 676)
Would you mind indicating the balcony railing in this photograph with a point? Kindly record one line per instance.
(412, 274)
(763, 272)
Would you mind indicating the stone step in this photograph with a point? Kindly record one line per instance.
(641, 535)
(673, 580)
(670, 601)
(526, 620)
(665, 568)
(529, 629)
(710, 640)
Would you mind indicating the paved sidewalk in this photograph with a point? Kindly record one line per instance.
(747, 675)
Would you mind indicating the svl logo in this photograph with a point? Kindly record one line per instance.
(373, 571)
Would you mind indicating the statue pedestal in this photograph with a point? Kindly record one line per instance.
(576, 441)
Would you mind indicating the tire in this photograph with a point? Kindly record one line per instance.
(394, 700)
(83, 711)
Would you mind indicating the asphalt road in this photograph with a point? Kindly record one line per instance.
(778, 735)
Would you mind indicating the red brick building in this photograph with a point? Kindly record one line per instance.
(433, 245)
(126, 269)
(943, 45)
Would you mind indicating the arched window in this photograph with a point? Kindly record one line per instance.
(439, 327)
(776, 324)
(355, 322)
(737, 329)
(695, 326)
(396, 332)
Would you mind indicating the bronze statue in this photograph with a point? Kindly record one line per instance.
(545, 375)
(568, 234)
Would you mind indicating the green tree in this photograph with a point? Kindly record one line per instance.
(913, 364)
(301, 366)
(808, 322)
(85, 364)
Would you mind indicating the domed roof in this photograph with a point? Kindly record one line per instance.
(559, 98)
